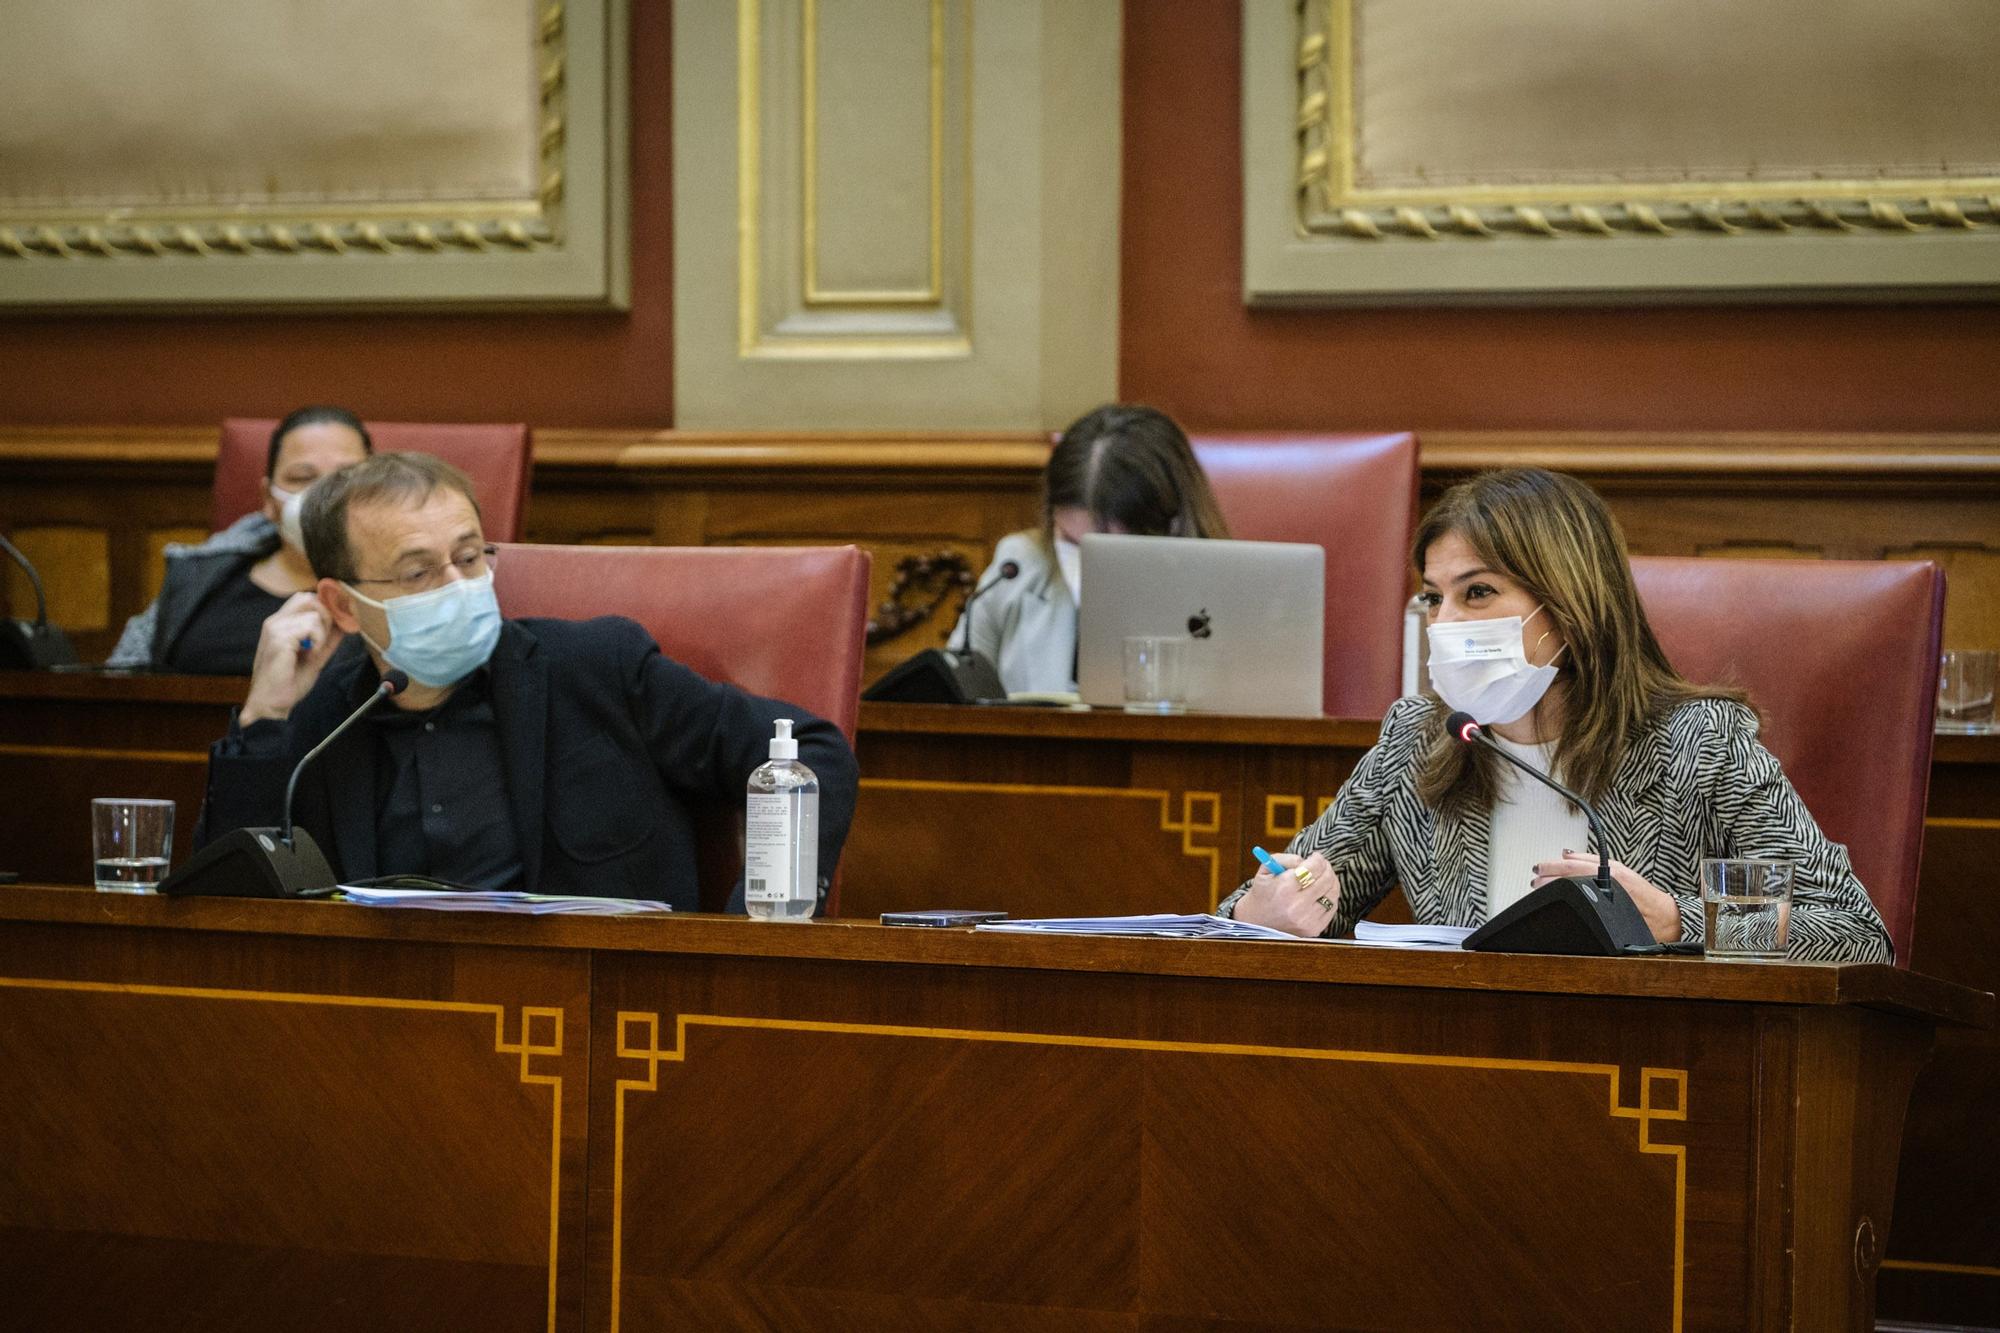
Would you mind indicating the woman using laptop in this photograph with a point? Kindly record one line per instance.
(216, 596)
(1121, 469)
(1537, 632)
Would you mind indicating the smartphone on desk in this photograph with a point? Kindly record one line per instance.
(946, 917)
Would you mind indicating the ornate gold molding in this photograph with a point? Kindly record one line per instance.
(1332, 203)
(554, 233)
(431, 228)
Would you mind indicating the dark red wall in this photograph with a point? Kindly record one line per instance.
(546, 369)
(1188, 344)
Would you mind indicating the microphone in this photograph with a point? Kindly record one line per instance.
(1009, 570)
(34, 645)
(947, 676)
(393, 683)
(273, 862)
(1566, 915)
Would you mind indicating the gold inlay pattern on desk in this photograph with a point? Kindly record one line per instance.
(639, 1039)
(527, 1046)
(1200, 811)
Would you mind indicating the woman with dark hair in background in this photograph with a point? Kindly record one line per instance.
(1121, 469)
(216, 595)
(1537, 632)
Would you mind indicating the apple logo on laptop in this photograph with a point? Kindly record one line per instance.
(1198, 627)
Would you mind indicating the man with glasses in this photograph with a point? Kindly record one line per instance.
(546, 755)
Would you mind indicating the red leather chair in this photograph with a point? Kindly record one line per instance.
(495, 456)
(1841, 658)
(1355, 495)
(787, 622)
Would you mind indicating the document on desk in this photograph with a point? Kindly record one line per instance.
(1408, 936)
(498, 900)
(1161, 925)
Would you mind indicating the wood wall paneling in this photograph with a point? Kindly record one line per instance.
(125, 491)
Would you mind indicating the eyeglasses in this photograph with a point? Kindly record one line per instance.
(422, 578)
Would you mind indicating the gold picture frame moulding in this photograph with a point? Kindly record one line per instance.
(564, 243)
(1314, 234)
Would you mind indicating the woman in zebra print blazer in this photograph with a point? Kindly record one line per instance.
(1675, 769)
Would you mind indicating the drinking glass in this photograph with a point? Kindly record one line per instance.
(132, 838)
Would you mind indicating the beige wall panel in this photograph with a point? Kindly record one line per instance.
(123, 103)
(875, 92)
(888, 261)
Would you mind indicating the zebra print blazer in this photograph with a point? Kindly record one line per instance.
(1695, 784)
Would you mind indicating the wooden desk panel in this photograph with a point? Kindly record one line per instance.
(282, 1135)
(1104, 812)
(838, 1126)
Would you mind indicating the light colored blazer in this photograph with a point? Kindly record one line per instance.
(1695, 784)
(1026, 626)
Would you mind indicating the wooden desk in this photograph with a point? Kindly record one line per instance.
(316, 1116)
(1051, 813)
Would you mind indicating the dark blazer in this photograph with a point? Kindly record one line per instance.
(607, 748)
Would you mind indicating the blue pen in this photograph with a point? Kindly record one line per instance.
(1269, 862)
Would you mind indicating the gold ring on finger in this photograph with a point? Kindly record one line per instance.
(1305, 878)
(1326, 902)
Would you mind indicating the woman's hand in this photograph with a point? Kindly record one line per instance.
(1283, 903)
(1662, 916)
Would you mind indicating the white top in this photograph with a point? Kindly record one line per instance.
(1530, 824)
(1026, 626)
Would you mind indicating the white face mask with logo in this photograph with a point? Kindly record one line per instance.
(1481, 667)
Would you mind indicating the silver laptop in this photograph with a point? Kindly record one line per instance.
(1254, 611)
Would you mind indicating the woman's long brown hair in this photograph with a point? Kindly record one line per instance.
(1133, 466)
(1552, 535)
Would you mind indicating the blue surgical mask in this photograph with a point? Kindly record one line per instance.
(442, 636)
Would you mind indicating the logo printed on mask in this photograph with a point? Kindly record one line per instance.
(1481, 667)
(442, 636)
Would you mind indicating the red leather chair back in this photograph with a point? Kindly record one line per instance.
(1841, 657)
(1355, 495)
(495, 457)
(787, 622)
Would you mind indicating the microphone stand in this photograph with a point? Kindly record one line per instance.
(281, 862)
(1566, 915)
(32, 644)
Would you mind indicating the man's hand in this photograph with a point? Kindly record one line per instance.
(296, 641)
(1283, 903)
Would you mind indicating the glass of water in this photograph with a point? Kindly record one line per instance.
(1748, 905)
(133, 839)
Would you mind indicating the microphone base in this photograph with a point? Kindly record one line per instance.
(1572, 917)
(935, 676)
(26, 646)
(254, 863)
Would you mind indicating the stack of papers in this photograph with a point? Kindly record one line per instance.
(1161, 925)
(498, 900)
(1410, 936)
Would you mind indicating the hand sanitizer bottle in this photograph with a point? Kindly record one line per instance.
(781, 835)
